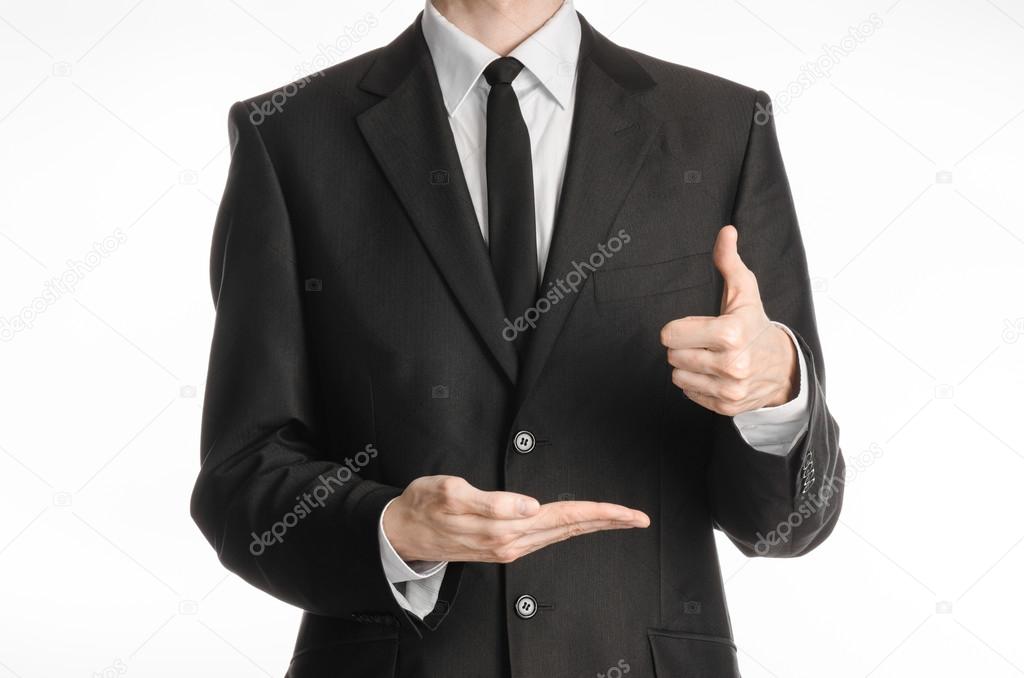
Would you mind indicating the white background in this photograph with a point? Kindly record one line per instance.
(906, 167)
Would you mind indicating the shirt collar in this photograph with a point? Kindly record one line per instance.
(550, 54)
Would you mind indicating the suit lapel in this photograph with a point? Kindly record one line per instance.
(611, 135)
(410, 136)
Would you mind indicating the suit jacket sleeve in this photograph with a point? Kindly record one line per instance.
(772, 505)
(262, 446)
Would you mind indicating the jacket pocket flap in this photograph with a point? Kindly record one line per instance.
(680, 654)
(658, 278)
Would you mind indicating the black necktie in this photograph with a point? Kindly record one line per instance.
(510, 211)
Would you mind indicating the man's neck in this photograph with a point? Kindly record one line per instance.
(499, 24)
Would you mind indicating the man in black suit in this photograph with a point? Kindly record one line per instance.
(449, 274)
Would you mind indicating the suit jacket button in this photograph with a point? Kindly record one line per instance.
(526, 607)
(524, 442)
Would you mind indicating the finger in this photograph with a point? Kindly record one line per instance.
(562, 513)
(553, 515)
(495, 505)
(726, 255)
(731, 392)
(475, 532)
(728, 366)
(705, 401)
(693, 331)
(728, 408)
(740, 284)
(538, 540)
(483, 548)
(696, 383)
(696, 360)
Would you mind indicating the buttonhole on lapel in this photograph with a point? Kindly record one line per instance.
(627, 128)
(314, 284)
(439, 177)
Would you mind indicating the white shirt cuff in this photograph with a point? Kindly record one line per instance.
(415, 584)
(776, 430)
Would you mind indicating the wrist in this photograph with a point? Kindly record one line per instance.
(790, 383)
(391, 524)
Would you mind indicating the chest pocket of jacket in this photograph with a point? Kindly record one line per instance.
(673, 275)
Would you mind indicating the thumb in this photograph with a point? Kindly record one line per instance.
(740, 284)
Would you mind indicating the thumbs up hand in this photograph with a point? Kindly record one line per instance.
(738, 361)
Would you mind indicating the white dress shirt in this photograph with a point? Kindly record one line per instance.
(546, 89)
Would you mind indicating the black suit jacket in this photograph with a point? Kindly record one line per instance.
(358, 345)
